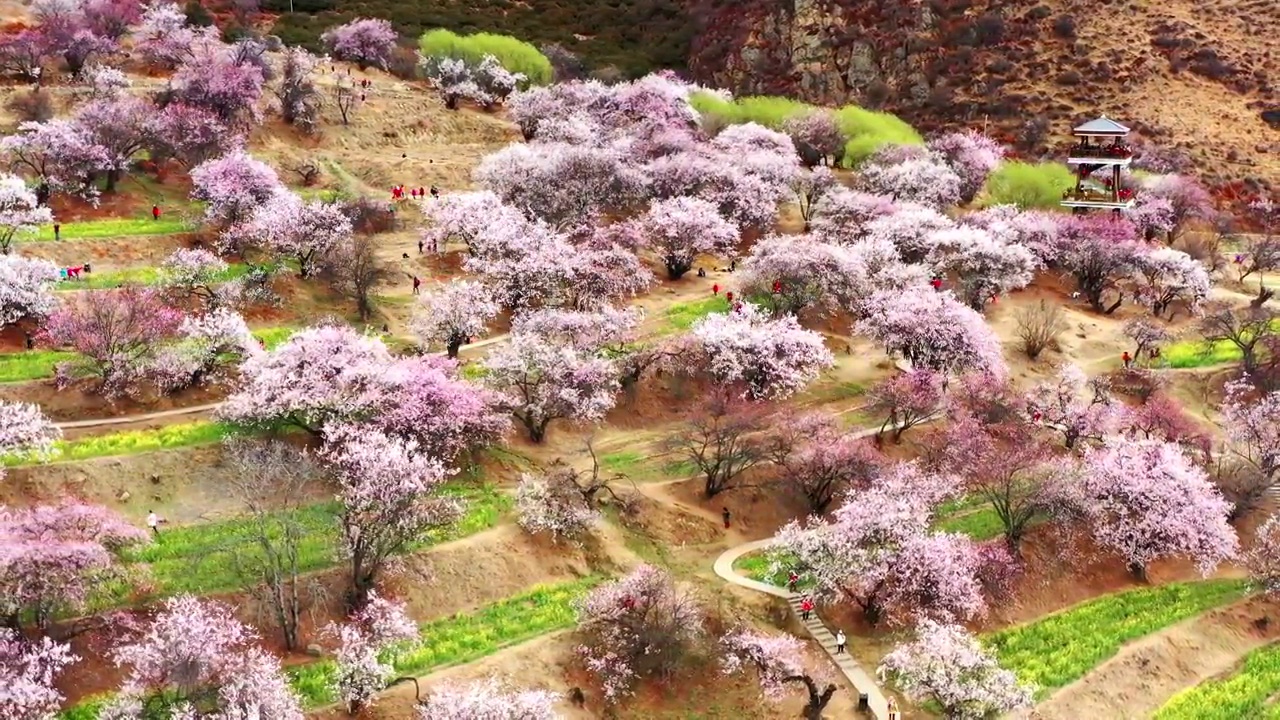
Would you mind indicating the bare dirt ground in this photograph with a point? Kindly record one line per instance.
(1149, 671)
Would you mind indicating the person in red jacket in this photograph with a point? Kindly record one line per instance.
(729, 296)
(715, 289)
(155, 212)
(1126, 359)
(777, 286)
(806, 607)
(417, 283)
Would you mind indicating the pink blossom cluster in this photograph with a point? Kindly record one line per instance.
(948, 665)
(486, 83)
(367, 42)
(488, 700)
(196, 651)
(1075, 406)
(639, 625)
(1263, 558)
(28, 670)
(1167, 279)
(26, 290)
(971, 155)
(57, 556)
(305, 231)
(932, 330)
(233, 187)
(923, 178)
(1146, 499)
(554, 504)
(766, 357)
(1250, 420)
(372, 630)
(20, 211)
(817, 137)
(25, 431)
(780, 665)
(60, 155)
(454, 314)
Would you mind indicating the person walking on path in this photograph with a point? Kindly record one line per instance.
(715, 289)
(155, 212)
(792, 579)
(724, 513)
(1128, 361)
(893, 709)
(419, 247)
(806, 608)
(416, 284)
(57, 231)
(840, 642)
(153, 522)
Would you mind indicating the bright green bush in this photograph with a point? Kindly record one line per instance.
(463, 637)
(1242, 695)
(870, 130)
(1060, 648)
(140, 276)
(867, 130)
(515, 55)
(1028, 185)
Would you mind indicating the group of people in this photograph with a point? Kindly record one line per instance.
(398, 192)
(73, 273)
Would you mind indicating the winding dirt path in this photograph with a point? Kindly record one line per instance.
(854, 675)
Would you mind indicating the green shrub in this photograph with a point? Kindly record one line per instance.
(682, 316)
(1028, 185)
(1242, 695)
(870, 130)
(515, 55)
(867, 130)
(1056, 650)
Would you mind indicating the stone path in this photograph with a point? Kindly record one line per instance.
(856, 677)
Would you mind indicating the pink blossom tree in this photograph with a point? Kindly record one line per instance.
(189, 134)
(1145, 499)
(23, 54)
(1263, 558)
(743, 194)
(817, 137)
(543, 381)
(56, 557)
(1099, 252)
(1161, 417)
(931, 330)
(304, 231)
(1166, 276)
(811, 187)
(985, 266)
(1147, 336)
(195, 654)
(59, 154)
(368, 42)
(780, 663)
(1188, 200)
(907, 400)
(193, 274)
(234, 186)
(878, 551)
(26, 292)
(370, 631)
(971, 155)
(1036, 230)
(925, 180)
(682, 228)
(564, 185)
(163, 37)
(1075, 406)
(477, 219)
(213, 78)
(209, 343)
(789, 274)
(20, 212)
(26, 432)
(68, 33)
(911, 228)
(641, 625)
(319, 377)
(841, 216)
(723, 440)
(453, 315)
(1255, 440)
(426, 401)
(487, 699)
(119, 127)
(947, 665)
(117, 334)
(28, 671)
(1004, 463)
(766, 357)
(390, 498)
(825, 463)
(606, 331)
(111, 18)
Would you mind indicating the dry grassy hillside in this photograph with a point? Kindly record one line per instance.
(1199, 75)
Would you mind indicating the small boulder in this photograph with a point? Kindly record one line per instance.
(124, 496)
(315, 650)
(1272, 117)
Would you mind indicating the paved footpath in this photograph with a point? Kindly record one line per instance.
(858, 678)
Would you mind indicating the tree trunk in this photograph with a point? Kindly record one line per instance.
(455, 344)
(1138, 570)
(113, 177)
(817, 702)
(676, 269)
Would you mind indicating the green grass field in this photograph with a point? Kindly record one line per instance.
(115, 227)
(138, 276)
(30, 365)
(463, 637)
(192, 558)
(980, 523)
(132, 442)
(682, 316)
(1244, 694)
(639, 468)
(1195, 354)
(1060, 648)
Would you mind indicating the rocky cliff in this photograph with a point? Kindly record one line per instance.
(1199, 74)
